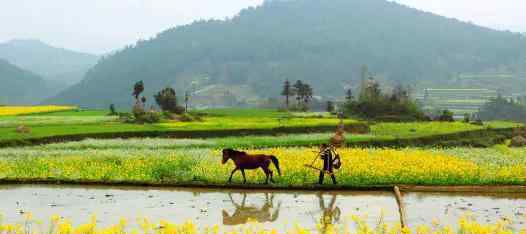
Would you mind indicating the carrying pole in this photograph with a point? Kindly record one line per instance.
(400, 203)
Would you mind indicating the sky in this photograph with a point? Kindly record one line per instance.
(101, 26)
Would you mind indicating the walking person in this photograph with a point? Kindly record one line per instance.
(327, 155)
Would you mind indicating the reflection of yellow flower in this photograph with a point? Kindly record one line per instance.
(469, 226)
(55, 219)
(28, 216)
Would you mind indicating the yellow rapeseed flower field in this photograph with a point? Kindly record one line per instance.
(21, 110)
(361, 167)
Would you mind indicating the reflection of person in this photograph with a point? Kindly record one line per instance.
(243, 214)
(326, 153)
(330, 214)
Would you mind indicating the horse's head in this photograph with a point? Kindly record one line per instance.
(226, 155)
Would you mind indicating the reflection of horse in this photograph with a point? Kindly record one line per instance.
(330, 214)
(244, 213)
(244, 161)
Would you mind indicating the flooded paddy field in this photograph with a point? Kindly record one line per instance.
(276, 209)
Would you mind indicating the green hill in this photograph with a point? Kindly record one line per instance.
(322, 42)
(18, 86)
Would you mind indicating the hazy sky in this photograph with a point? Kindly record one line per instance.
(99, 26)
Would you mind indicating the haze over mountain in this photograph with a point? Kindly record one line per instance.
(322, 42)
(61, 66)
(19, 86)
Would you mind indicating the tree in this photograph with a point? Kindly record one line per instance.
(307, 95)
(138, 107)
(304, 94)
(287, 92)
(330, 107)
(138, 88)
(374, 104)
(501, 108)
(298, 91)
(112, 110)
(167, 100)
(349, 95)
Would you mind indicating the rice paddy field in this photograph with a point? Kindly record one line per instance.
(195, 161)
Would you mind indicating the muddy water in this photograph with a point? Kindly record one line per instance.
(279, 210)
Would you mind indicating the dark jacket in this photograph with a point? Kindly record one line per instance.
(327, 156)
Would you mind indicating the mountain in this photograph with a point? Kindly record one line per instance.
(53, 64)
(322, 42)
(19, 86)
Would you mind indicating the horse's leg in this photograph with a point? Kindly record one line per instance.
(232, 174)
(244, 178)
(271, 175)
(265, 169)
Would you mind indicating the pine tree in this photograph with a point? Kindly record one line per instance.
(299, 91)
(348, 95)
(287, 92)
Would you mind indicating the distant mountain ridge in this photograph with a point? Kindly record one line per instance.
(53, 64)
(19, 86)
(321, 42)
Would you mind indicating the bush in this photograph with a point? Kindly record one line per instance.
(518, 141)
(446, 116)
(189, 118)
(375, 105)
(466, 118)
(167, 100)
(149, 117)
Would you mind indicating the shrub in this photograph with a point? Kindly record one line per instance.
(149, 117)
(518, 141)
(374, 104)
(167, 100)
(466, 118)
(446, 116)
(189, 118)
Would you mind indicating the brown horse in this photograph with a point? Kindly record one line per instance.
(244, 161)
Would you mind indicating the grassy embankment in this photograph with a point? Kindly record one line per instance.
(77, 125)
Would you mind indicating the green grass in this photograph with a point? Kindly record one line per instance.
(79, 112)
(97, 121)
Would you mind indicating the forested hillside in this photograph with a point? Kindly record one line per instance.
(322, 42)
(18, 86)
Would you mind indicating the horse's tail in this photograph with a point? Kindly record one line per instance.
(276, 163)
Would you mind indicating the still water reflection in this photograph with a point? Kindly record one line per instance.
(280, 210)
(244, 213)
